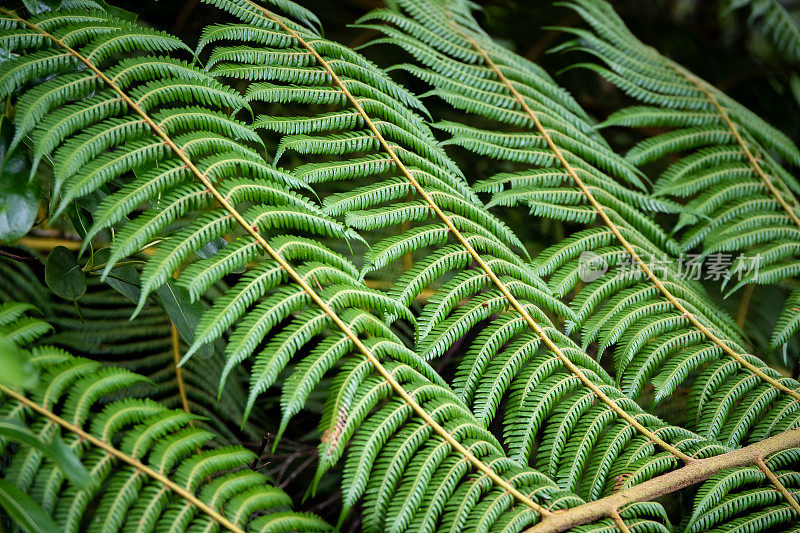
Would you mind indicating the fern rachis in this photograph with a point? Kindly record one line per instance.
(683, 477)
(123, 457)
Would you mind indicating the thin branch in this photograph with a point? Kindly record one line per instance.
(176, 357)
(619, 522)
(744, 304)
(16, 257)
(260, 452)
(297, 471)
(696, 472)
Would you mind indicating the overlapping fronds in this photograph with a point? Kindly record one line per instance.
(150, 469)
(505, 362)
(734, 170)
(180, 142)
(351, 122)
(100, 329)
(500, 279)
(663, 328)
(298, 299)
(150, 148)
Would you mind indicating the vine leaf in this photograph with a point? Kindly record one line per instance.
(184, 313)
(63, 274)
(19, 196)
(59, 452)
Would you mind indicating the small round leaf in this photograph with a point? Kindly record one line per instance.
(19, 196)
(63, 274)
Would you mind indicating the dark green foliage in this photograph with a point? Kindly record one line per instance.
(19, 196)
(273, 238)
(77, 395)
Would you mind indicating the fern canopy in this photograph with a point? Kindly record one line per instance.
(270, 230)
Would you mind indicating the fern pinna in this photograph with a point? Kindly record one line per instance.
(741, 199)
(422, 452)
(777, 22)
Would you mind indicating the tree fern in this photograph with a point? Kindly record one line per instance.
(170, 168)
(740, 195)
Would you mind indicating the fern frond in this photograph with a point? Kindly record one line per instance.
(305, 303)
(428, 274)
(663, 329)
(157, 470)
(352, 170)
(733, 172)
(439, 264)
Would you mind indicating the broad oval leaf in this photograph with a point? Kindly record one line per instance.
(63, 274)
